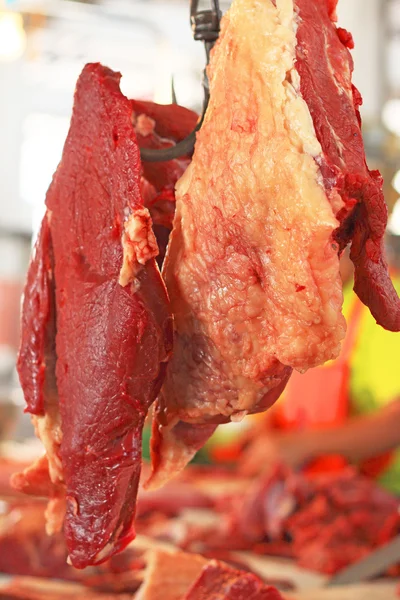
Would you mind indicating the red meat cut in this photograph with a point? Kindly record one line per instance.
(277, 188)
(217, 581)
(325, 65)
(111, 318)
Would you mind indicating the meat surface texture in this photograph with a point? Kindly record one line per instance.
(220, 582)
(112, 322)
(252, 267)
(37, 355)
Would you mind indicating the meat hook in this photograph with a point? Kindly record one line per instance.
(206, 26)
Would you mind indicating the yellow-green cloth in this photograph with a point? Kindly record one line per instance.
(375, 374)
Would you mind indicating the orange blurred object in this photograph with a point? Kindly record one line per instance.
(320, 399)
(10, 298)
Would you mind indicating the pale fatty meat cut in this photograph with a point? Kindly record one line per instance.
(96, 329)
(278, 186)
(169, 575)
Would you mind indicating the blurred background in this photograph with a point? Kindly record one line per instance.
(43, 47)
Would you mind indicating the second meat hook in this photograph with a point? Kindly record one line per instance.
(206, 26)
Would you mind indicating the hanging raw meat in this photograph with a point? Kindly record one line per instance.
(324, 65)
(277, 187)
(96, 325)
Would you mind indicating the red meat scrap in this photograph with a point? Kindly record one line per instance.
(342, 520)
(324, 523)
(35, 480)
(97, 326)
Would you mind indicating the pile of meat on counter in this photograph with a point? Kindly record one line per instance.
(324, 523)
(250, 288)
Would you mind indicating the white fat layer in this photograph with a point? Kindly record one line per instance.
(48, 430)
(290, 118)
(139, 245)
(296, 109)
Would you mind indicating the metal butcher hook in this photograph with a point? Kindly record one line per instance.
(206, 26)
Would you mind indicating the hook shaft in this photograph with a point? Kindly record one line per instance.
(206, 26)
